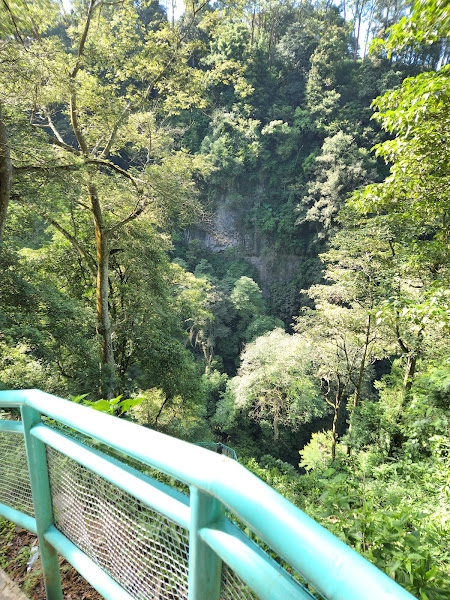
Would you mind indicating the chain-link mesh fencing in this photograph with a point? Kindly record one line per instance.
(145, 552)
(218, 448)
(233, 588)
(15, 489)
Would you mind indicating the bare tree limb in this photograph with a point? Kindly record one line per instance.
(53, 128)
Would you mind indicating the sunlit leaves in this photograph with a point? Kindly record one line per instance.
(429, 21)
(275, 381)
(21, 18)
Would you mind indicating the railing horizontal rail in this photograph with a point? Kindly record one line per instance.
(332, 568)
(11, 427)
(18, 517)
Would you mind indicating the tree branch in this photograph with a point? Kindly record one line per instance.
(138, 210)
(87, 257)
(126, 111)
(86, 206)
(33, 168)
(53, 128)
(75, 125)
(91, 161)
(92, 4)
(401, 343)
(111, 165)
(73, 97)
(63, 145)
(14, 22)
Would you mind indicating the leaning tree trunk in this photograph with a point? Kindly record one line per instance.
(5, 176)
(104, 328)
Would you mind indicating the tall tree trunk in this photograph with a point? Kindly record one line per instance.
(411, 364)
(409, 373)
(358, 30)
(386, 19)
(362, 368)
(108, 365)
(334, 431)
(272, 37)
(276, 431)
(337, 408)
(276, 410)
(5, 176)
(252, 39)
(369, 25)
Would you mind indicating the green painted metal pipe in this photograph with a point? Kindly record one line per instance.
(19, 518)
(13, 402)
(205, 566)
(262, 574)
(11, 426)
(99, 579)
(42, 502)
(334, 569)
(150, 492)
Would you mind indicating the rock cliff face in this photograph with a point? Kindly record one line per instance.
(225, 231)
(222, 233)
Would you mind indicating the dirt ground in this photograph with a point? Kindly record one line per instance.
(15, 555)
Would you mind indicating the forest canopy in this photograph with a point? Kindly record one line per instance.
(232, 225)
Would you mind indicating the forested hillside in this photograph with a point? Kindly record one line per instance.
(233, 226)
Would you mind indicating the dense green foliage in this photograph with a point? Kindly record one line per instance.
(204, 228)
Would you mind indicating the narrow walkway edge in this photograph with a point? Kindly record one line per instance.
(8, 589)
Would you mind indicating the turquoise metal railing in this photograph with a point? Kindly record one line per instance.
(104, 496)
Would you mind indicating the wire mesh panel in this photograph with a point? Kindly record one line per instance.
(146, 553)
(15, 489)
(233, 588)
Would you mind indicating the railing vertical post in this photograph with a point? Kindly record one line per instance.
(205, 567)
(42, 502)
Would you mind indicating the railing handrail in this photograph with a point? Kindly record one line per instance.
(331, 567)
